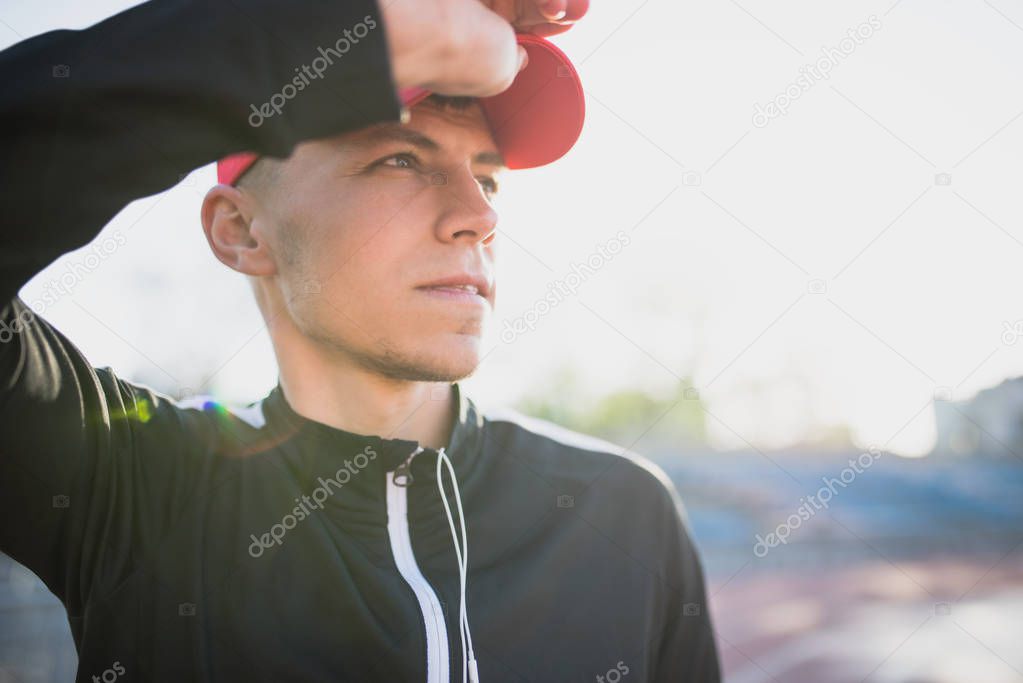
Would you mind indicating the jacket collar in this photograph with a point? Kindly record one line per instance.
(464, 445)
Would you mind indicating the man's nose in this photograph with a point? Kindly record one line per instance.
(467, 213)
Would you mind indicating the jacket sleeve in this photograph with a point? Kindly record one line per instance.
(89, 121)
(688, 651)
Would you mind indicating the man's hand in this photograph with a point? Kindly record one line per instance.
(467, 47)
(541, 17)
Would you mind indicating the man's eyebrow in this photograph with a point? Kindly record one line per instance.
(399, 133)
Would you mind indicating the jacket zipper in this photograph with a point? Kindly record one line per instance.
(398, 481)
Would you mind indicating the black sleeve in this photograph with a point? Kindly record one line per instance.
(688, 651)
(89, 121)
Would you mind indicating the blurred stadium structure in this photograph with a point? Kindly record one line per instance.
(990, 422)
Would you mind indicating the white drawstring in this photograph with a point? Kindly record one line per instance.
(462, 554)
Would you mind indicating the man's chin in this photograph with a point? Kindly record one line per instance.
(449, 360)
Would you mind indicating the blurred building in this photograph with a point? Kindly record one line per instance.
(990, 423)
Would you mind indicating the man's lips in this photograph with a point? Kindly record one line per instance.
(459, 287)
(455, 294)
(452, 296)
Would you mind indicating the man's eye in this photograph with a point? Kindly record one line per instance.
(403, 160)
(489, 186)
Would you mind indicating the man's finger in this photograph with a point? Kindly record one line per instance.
(558, 17)
(553, 10)
(575, 9)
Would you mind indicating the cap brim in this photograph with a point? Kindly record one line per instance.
(533, 122)
(540, 116)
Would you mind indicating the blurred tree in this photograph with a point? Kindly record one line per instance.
(667, 421)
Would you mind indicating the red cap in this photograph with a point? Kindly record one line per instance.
(534, 122)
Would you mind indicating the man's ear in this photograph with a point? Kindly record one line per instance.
(227, 220)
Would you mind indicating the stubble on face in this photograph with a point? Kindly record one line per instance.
(323, 317)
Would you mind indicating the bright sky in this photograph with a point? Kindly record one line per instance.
(808, 271)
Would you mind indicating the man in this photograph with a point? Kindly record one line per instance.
(321, 534)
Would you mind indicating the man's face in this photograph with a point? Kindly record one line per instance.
(380, 237)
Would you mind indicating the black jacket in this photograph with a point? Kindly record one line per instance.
(190, 542)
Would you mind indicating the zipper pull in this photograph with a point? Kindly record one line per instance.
(403, 472)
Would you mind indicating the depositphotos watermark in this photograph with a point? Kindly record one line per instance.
(314, 501)
(811, 74)
(308, 72)
(809, 504)
(615, 673)
(111, 674)
(17, 325)
(75, 271)
(1011, 332)
(559, 290)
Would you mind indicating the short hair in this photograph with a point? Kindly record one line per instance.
(456, 102)
(261, 176)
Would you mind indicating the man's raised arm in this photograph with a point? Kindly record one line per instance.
(93, 119)
(89, 121)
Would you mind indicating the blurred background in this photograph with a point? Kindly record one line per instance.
(787, 250)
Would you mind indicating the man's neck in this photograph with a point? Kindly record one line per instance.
(362, 402)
